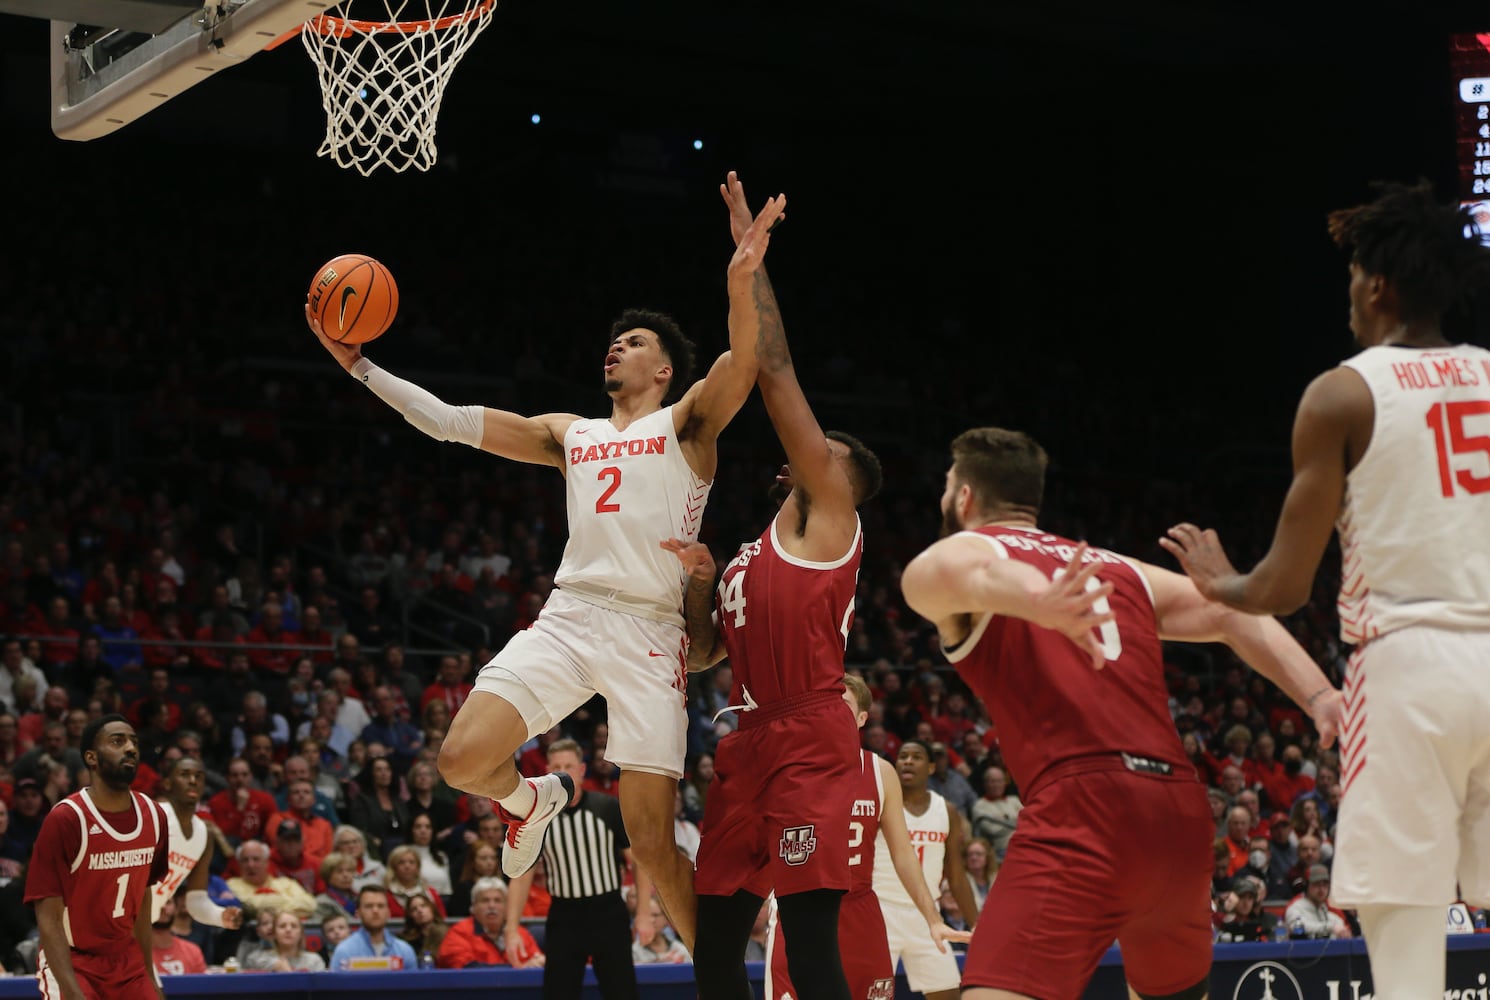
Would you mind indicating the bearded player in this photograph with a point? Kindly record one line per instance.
(1083, 720)
(99, 851)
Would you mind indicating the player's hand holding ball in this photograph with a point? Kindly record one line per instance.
(352, 300)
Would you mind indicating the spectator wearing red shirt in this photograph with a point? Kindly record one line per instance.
(314, 634)
(54, 706)
(289, 858)
(451, 685)
(60, 643)
(271, 630)
(215, 657)
(316, 833)
(158, 692)
(476, 940)
(241, 811)
(1238, 838)
(1262, 765)
(173, 956)
(168, 630)
(1286, 786)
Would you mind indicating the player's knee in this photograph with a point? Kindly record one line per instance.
(1197, 992)
(461, 762)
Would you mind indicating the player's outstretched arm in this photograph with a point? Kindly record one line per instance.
(903, 856)
(199, 902)
(963, 575)
(705, 644)
(712, 402)
(1183, 614)
(517, 900)
(536, 440)
(1336, 407)
(953, 868)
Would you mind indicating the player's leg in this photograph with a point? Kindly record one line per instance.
(810, 922)
(777, 984)
(719, 961)
(477, 755)
(864, 948)
(1408, 774)
(611, 951)
(644, 697)
(648, 802)
(1406, 948)
(525, 689)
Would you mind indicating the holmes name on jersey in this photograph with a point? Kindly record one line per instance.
(608, 451)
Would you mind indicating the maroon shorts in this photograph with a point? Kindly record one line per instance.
(103, 977)
(777, 813)
(1096, 857)
(862, 942)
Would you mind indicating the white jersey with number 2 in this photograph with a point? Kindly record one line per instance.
(627, 490)
(1415, 524)
(929, 839)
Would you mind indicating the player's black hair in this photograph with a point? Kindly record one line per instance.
(679, 349)
(925, 747)
(1006, 469)
(1430, 253)
(92, 729)
(867, 475)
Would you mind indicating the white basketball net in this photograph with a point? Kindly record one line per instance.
(383, 76)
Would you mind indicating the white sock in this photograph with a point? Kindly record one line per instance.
(1407, 950)
(522, 800)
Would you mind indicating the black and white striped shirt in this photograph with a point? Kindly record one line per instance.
(582, 852)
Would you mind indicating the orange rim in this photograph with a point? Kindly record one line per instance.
(341, 27)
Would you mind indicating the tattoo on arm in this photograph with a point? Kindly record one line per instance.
(770, 345)
(698, 608)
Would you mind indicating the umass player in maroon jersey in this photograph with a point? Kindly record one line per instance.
(777, 814)
(99, 851)
(862, 940)
(1114, 841)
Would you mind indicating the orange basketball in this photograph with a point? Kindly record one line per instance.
(354, 297)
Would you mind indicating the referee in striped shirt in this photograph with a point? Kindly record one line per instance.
(588, 921)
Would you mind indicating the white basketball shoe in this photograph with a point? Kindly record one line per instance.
(525, 836)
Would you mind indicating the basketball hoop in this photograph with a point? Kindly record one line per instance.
(382, 80)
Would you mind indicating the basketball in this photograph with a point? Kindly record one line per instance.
(354, 297)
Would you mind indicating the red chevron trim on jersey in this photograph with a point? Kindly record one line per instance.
(1353, 723)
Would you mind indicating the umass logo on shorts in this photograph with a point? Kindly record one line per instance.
(797, 844)
(883, 989)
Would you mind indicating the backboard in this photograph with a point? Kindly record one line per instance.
(115, 60)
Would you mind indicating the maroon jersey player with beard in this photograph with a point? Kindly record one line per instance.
(99, 851)
(1114, 841)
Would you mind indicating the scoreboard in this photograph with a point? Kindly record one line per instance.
(1469, 57)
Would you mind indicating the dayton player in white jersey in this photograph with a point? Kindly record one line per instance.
(614, 623)
(938, 838)
(190, 856)
(1392, 448)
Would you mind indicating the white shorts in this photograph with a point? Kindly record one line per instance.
(1415, 770)
(926, 969)
(576, 650)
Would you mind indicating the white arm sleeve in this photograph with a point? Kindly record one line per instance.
(202, 909)
(426, 411)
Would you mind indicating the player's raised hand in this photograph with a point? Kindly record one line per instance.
(733, 193)
(697, 560)
(1075, 605)
(944, 935)
(1200, 555)
(750, 253)
(346, 355)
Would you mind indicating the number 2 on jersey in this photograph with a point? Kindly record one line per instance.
(856, 837)
(1112, 642)
(603, 504)
(1447, 422)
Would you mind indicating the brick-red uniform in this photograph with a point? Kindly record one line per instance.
(1114, 841)
(862, 940)
(777, 813)
(101, 865)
